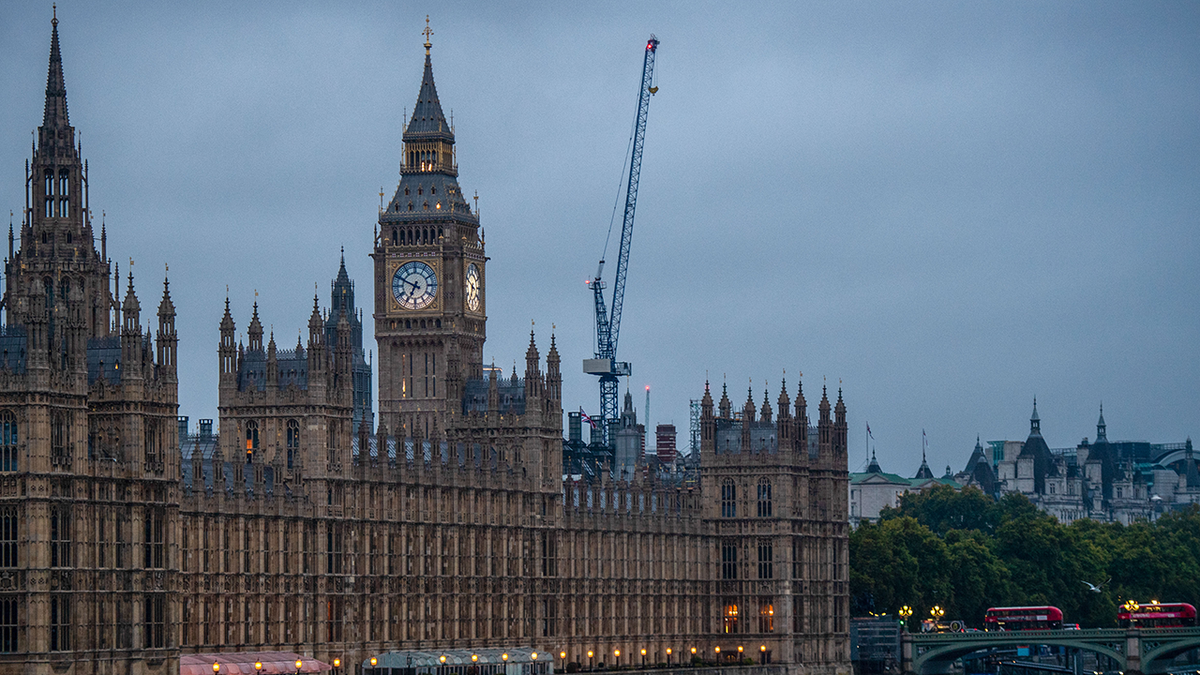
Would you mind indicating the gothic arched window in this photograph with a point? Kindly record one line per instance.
(729, 559)
(293, 442)
(60, 438)
(251, 440)
(8, 441)
(765, 509)
(766, 560)
(728, 499)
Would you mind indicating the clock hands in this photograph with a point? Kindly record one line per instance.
(415, 285)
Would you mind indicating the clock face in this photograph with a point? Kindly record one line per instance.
(414, 285)
(473, 287)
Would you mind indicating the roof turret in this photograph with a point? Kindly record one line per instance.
(166, 308)
(924, 471)
(873, 467)
(130, 305)
(227, 325)
(1101, 427)
(725, 407)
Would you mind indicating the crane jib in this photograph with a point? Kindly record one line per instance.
(608, 325)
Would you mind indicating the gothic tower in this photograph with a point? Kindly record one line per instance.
(57, 255)
(429, 279)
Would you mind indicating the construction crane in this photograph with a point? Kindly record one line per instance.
(608, 326)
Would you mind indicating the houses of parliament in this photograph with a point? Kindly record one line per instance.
(301, 524)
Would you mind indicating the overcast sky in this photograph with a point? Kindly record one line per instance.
(949, 208)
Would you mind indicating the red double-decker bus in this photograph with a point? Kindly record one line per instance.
(1158, 615)
(1023, 618)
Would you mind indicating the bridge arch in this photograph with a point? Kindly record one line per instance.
(933, 654)
(1160, 647)
(1170, 457)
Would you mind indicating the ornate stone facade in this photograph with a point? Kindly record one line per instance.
(301, 526)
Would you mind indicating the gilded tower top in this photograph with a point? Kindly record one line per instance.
(428, 188)
(427, 118)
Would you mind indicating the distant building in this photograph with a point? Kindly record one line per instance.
(873, 490)
(1113, 481)
(664, 436)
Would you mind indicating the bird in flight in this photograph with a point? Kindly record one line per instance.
(1094, 587)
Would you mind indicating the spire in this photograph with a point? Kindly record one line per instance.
(873, 467)
(131, 305)
(1035, 422)
(427, 117)
(924, 471)
(227, 320)
(1101, 427)
(531, 355)
(255, 331)
(55, 115)
(784, 401)
(166, 307)
(801, 404)
(342, 276)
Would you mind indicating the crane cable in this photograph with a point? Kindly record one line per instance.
(624, 175)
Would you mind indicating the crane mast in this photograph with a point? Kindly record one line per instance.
(608, 326)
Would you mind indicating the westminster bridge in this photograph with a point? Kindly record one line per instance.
(1136, 650)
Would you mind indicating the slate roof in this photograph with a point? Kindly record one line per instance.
(427, 117)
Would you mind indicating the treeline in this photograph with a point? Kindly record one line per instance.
(966, 552)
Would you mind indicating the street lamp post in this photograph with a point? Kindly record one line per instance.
(643, 657)
(616, 657)
(762, 650)
(217, 668)
(904, 613)
(668, 656)
(591, 660)
(563, 657)
(300, 664)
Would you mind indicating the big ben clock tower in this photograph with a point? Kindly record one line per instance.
(429, 279)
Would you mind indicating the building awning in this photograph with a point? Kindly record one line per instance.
(242, 663)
